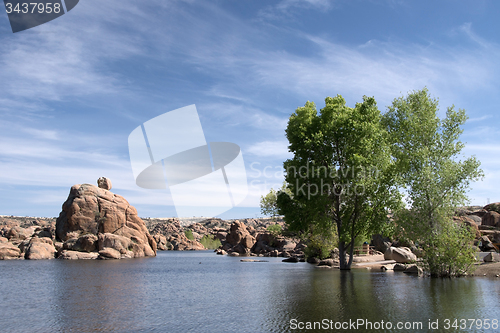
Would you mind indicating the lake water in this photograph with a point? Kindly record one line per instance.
(203, 292)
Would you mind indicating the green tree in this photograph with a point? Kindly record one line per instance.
(339, 174)
(435, 177)
(268, 205)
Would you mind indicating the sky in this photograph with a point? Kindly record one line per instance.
(73, 89)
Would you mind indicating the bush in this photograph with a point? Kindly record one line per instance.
(275, 230)
(449, 252)
(189, 234)
(210, 242)
(321, 245)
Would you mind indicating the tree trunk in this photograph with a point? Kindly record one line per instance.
(343, 263)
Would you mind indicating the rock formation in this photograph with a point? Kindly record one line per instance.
(94, 218)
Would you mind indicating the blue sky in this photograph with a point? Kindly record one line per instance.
(72, 90)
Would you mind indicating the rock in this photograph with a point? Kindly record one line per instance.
(253, 260)
(220, 252)
(492, 206)
(239, 235)
(327, 262)
(491, 218)
(180, 242)
(40, 248)
(400, 255)
(414, 269)
(476, 219)
(9, 251)
(399, 267)
(161, 242)
(479, 213)
(119, 243)
(104, 183)
(313, 260)
(492, 257)
(486, 244)
(388, 267)
(109, 253)
(85, 243)
(291, 259)
(76, 255)
(380, 243)
(388, 254)
(93, 210)
(3, 240)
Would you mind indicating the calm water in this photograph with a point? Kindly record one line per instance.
(202, 292)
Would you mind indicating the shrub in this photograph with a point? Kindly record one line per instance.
(275, 230)
(449, 252)
(210, 242)
(189, 234)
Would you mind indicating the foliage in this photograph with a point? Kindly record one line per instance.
(448, 252)
(339, 174)
(275, 229)
(210, 242)
(268, 205)
(425, 150)
(321, 244)
(189, 234)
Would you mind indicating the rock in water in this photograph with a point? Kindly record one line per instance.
(93, 210)
(104, 183)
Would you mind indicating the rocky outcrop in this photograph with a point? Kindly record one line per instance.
(239, 239)
(180, 242)
(93, 218)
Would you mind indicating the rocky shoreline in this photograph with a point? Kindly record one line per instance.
(97, 224)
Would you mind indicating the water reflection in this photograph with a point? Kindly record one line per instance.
(202, 292)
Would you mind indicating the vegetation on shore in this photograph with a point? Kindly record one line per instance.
(352, 167)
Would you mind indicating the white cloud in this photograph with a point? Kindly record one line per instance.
(275, 149)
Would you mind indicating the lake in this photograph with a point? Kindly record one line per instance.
(203, 292)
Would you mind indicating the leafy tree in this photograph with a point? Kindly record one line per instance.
(426, 151)
(268, 205)
(339, 174)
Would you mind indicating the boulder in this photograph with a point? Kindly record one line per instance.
(239, 239)
(40, 248)
(400, 255)
(492, 257)
(9, 251)
(104, 183)
(76, 255)
(399, 267)
(90, 210)
(492, 206)
(327, 262)
(380, 243)
(491, 218)
(486, 244)
(3, 240)
(414, 269)
(291, 259)
(109, 253)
